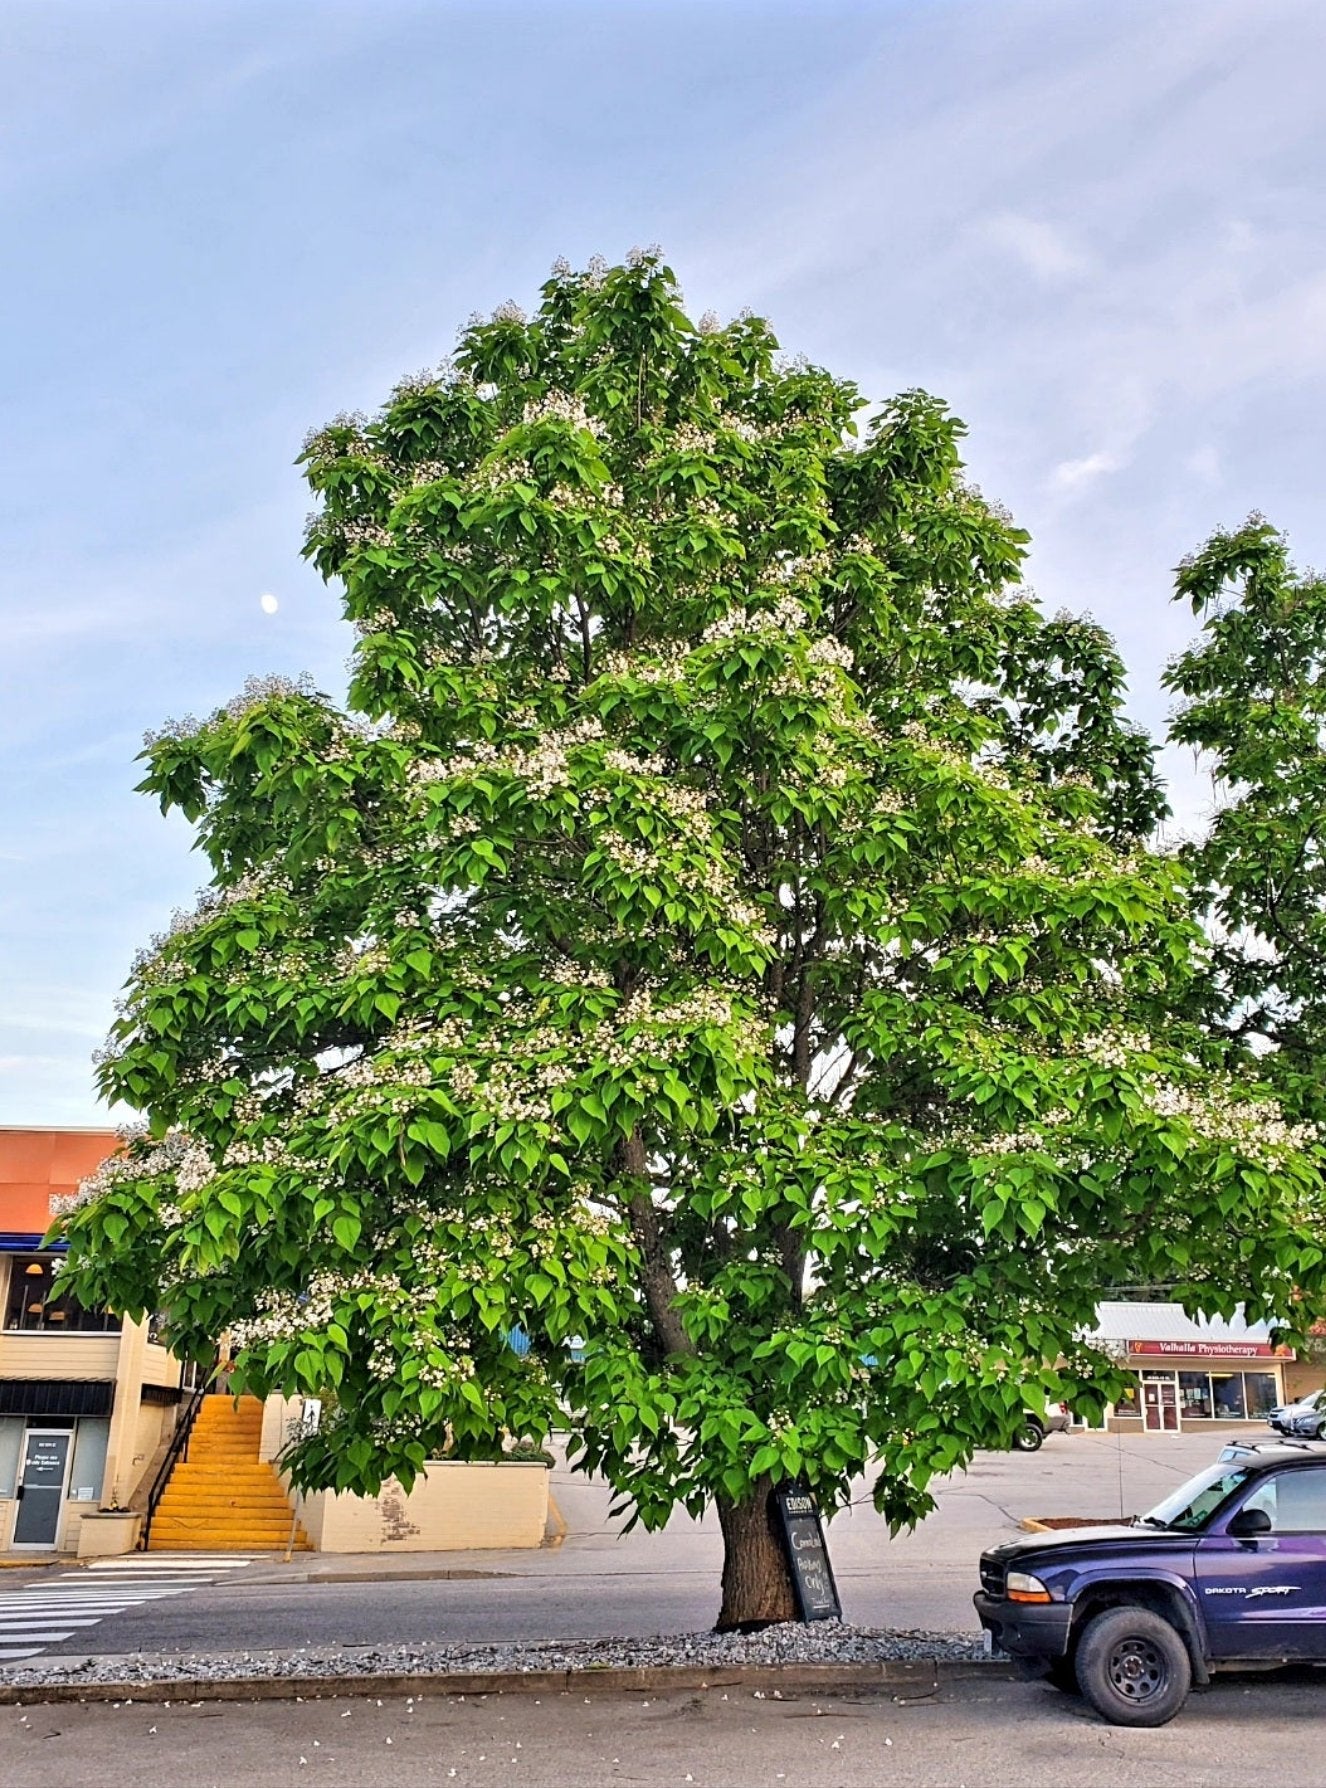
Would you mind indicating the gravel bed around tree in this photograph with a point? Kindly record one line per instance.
(827, 1642)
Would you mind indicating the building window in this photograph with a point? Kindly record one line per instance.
(1263, 1393)
(11, 1441)
(1195, 1394)
(1227, 1396)
(1128, 1404)
(91, 1438)
(34, 1303)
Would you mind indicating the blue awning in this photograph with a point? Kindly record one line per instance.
(11, 1242)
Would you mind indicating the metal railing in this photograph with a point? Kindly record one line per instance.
(177, 1451)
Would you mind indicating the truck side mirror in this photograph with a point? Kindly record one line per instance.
(1248, 1524)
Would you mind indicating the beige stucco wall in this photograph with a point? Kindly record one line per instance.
(69, 1526)
(452, 1508)
(279, 1415)
(150, 1425)
(58, 1356)
(159, 1365)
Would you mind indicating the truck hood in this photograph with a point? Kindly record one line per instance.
(1066, 1539)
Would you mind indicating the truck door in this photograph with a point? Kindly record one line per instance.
(1264, 1596)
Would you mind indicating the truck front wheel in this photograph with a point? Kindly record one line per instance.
(1029, 1436)
(1133, 1667)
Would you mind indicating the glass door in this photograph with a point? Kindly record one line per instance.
(1160, 1402)
(41, 1487)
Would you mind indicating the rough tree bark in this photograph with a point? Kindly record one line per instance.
(757, 1586)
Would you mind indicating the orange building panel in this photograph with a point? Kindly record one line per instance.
(38, 1165)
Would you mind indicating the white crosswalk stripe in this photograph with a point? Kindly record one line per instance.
(97, 1592)
(54, 1609)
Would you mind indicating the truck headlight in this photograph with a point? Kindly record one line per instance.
(1021, 1586)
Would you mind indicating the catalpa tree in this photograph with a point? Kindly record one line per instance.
(718, 930)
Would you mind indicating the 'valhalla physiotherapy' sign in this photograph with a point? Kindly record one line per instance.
(1212, 1350)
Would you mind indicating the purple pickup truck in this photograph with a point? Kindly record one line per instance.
(1230, 1570)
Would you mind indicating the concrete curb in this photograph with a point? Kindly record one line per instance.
(923, 1677)
(266, 1578)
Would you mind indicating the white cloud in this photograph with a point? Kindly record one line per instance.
(1239, 238)
(1042, 249)
(17, 1064)
(1073, 474)
(1204, 463)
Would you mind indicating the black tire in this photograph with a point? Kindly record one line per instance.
(1029, 1437)
(1133, 1667)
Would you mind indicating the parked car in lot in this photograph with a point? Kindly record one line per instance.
(1253, 1449)
(1030, 1437)
(1229, 1570)
(1284, 1418)
(1309, 1418)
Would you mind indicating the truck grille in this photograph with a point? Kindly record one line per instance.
(993, 1574)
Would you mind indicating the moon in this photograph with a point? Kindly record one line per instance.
(268, 603)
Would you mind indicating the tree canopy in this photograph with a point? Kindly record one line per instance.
(719, 931)
(1254, 701)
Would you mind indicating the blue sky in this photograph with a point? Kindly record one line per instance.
(1097, 229)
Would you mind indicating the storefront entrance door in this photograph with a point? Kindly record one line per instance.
(41, 1487)
(1160, 1404)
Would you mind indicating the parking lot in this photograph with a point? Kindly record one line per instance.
(926, 1578)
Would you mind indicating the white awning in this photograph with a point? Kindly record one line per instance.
(1116, 1322)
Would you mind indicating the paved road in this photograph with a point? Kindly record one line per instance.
(968, 1736)
(67, 1605)
(599, 1584)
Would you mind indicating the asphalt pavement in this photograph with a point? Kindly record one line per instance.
(601, 1584)
(967, 1735)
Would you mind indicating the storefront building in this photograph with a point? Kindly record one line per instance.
(1197, 1373)
(86, 1400)
(89, 1403)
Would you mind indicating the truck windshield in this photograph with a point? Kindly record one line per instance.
(1192, 1505)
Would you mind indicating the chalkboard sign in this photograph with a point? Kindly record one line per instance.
(807, 1554)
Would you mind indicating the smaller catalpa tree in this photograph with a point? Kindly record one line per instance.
(1254, 700)
(720, 930)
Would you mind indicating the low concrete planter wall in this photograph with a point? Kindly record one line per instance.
(102, 1534)
(452, 1508)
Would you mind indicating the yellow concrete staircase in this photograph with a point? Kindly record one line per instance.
(223, 1498)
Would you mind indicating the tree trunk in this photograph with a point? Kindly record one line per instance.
(757, 1586)
(660, 1285)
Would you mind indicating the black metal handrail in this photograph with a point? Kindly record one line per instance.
(175, 1452)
